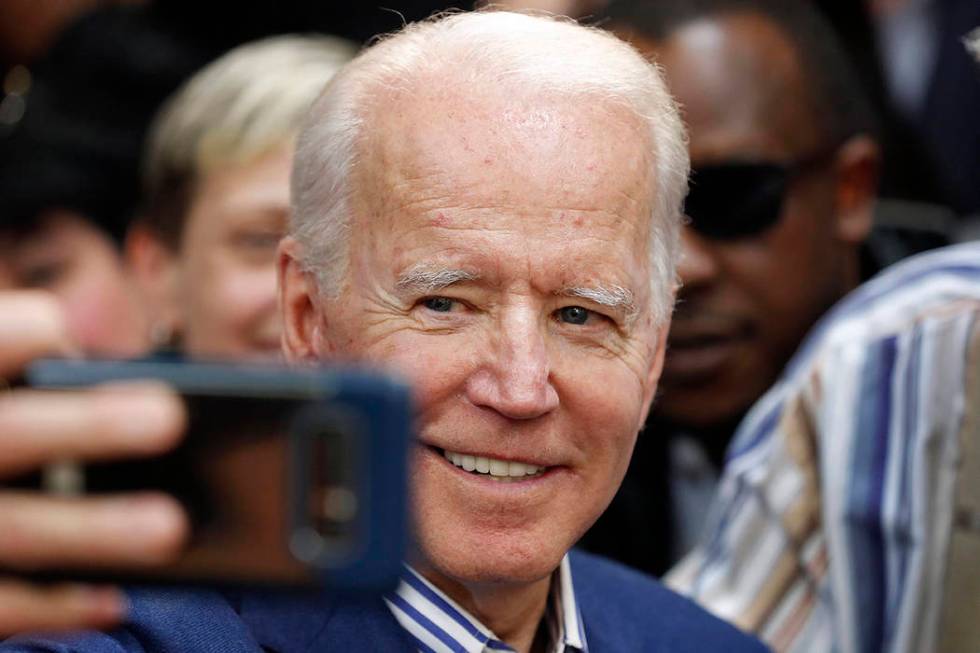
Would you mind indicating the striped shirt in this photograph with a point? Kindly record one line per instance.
(439, 624)
(848, 514)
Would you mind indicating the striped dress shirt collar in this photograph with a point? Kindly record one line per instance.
(437, 623)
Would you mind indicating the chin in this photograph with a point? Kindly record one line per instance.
(499, 559)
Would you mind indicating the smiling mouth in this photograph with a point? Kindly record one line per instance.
(493, 468)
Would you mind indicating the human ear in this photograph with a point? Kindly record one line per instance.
(297, 304)
(857, 166)
(155, 270)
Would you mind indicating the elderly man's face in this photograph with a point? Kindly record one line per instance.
(498, 259)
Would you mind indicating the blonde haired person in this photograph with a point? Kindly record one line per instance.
(216, 178)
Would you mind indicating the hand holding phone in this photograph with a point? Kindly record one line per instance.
(43, 532)
(291, 476)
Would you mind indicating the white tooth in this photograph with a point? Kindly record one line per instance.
(458, 459)
(482, 464)
(448, 455)
(498, 467)
(469, 463)
(516, 469)
(530, 470)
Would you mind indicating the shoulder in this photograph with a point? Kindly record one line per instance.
(160, 621)
(935, 285)
(917, 318)
(180, 620)
(626, 610)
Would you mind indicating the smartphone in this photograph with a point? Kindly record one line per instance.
(292, 477)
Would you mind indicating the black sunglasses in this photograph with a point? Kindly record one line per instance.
(728, 201)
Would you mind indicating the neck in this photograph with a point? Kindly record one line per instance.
(513, 611)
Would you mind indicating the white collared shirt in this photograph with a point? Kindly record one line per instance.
(439, 624)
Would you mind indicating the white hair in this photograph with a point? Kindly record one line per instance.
(515, 53)
(972, 43)
(240, 106)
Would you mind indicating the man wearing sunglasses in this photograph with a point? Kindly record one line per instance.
(784, 177)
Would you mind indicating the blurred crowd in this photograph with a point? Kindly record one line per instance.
(145, 153)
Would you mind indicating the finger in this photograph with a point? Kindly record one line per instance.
(136, 530)
(133, 419)
(26, 607)
(32, 325)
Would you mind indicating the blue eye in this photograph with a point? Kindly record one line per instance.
(573, 315)
(438, 304)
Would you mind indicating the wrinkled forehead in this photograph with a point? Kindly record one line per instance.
(488, 148)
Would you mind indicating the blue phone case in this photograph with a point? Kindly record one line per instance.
(361, 416)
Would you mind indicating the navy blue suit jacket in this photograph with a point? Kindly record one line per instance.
(622, 611)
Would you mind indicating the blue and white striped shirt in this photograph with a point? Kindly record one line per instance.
(849, 509)
(438, 624)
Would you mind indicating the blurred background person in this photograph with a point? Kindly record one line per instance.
(848, 516)
(73, 132)
(216, 196)
(68, 197)
(64, 208)
(785, 165)
(74, 257)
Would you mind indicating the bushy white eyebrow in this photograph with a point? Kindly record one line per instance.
(427, 279)
(615, 297)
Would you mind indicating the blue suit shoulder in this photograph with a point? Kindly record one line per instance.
(178, 620)
(622, 610)
(159, 621)
(625, 610)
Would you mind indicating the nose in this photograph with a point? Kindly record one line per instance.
(697, 265)
(515, 380)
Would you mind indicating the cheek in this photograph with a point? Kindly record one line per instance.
(229, 305)
(247, 294)
(102, 314)
(605, 404)
(775, 273)
(436, 366)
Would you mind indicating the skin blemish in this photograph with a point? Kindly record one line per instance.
(488, 160)
(578, 222)
(590, 167)
(440, 220)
